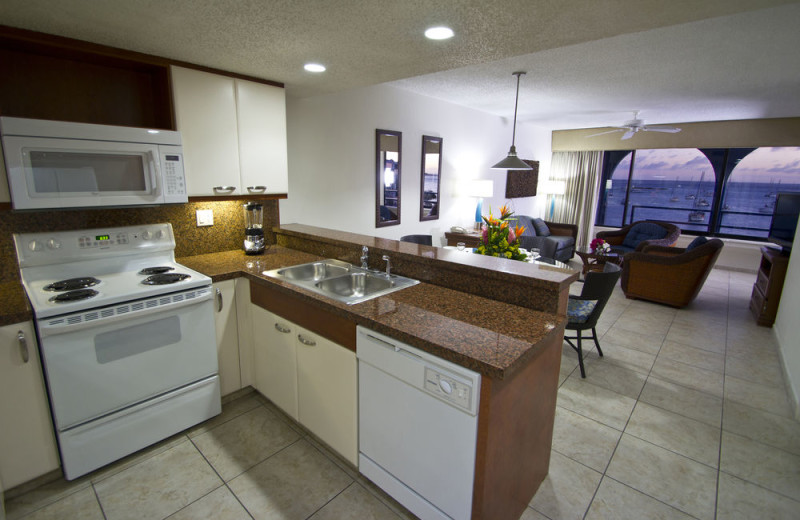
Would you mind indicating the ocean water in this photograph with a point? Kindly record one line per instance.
(745, 208)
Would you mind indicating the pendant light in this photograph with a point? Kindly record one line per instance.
(512, 162)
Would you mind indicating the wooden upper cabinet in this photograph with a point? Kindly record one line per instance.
(234, 134)
(205, 110)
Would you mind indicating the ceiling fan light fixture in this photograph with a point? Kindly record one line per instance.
(511, 161)
(314, 67)
(439, 33)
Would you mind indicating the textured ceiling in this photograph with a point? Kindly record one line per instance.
(589, 61)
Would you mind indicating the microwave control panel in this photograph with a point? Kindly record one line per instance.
(174, 177)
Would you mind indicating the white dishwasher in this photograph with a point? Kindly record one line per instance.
(418, 423)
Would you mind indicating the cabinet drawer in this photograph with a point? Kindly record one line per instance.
(758, 304)
(762, 282)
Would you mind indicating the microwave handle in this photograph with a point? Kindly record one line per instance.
(154, 173)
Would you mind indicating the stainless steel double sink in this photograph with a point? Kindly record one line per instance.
(341, 281)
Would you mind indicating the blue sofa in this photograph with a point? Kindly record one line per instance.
(552, 239)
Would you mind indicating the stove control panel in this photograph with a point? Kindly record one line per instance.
(56, 247)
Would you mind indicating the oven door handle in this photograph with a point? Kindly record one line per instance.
(54, 326)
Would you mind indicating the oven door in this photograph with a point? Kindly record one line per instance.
(103, 360)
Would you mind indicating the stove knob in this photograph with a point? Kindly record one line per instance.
(35, 245)
(147, 235)
(160, 234)
(54, 243)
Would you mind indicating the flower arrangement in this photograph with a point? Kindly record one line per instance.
(499, 239)
(598, 245)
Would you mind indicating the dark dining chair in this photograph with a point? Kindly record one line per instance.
(425, 240)
(583, 311)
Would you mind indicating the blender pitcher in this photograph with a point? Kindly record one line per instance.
(253, 228)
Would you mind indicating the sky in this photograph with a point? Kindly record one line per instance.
(688, 165)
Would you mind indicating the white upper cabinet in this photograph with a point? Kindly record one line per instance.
(234, 134)
(261, 115)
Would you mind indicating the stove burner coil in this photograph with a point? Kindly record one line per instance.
(72, 284)
(165, 279)
(74, 296)
(156, 270)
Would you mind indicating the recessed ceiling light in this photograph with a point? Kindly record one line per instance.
(439, 33)
(314, 67)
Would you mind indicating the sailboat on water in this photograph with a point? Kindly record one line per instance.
(696, 215)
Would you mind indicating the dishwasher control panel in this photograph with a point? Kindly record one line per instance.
(448, 388)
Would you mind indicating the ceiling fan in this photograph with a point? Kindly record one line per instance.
(634, 125)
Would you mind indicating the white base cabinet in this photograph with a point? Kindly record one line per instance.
(27, 444)
(311, 378)
(227, 332)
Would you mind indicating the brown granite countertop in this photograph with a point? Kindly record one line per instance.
(490, 337)
(14, 307)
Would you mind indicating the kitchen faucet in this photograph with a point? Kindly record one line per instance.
(364, 257)
(388, 261)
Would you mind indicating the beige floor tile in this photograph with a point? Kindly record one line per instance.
(595, 402)
(243, 442)
(633, 339)
(81, 504)
(613, 377)
(768, 373)
(740, 500)
(625, 357)
(567, 491)
(767, 398)
(136, 458)
(767, 428)
(355, 502)
(760, 464)
(230, 410)
(159, 486)
(637, 320)
(615, 501)
(583, 439)
(292, 484)
(694, 356)
(666, 476)
(754, 353)
(682, 400)
(220, 504)
(37, 498)
(677, 433)
(689, 376)
(532, 514)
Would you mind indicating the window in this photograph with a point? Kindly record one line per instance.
(724, 192)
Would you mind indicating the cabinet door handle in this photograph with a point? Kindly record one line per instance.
(258, 189)
(224, 188)
(220, 303)
(305, 341)
(23, 346)
(282, 329)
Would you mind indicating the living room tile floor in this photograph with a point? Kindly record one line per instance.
(686, 416)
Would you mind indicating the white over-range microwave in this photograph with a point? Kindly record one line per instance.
(56, 164)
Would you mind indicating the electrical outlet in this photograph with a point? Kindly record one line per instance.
(205, 217)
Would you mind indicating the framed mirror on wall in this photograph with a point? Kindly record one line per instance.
(388, 148)
(429, 198)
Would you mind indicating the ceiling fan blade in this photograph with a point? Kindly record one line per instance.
(608, 132)
(628, 134)
(667, 129)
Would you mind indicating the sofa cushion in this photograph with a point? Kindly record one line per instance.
(562, 241)
(699, 241)
(641, 232)
(578, 311)
(541, 228)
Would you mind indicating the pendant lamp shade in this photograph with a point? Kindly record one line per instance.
(512, 162)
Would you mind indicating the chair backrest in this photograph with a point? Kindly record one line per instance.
(599, 286)
(425, 240)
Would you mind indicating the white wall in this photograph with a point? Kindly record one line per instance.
(785, 328)
(331, 142)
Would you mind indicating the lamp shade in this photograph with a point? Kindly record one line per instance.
(556, 187)
(511, 162)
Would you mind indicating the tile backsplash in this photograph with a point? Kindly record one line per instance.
(227, 232)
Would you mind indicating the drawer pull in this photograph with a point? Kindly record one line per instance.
(258, 189)
(282, 329)
(219, 300)
(23, 346)
(224, 188)
(305, 341)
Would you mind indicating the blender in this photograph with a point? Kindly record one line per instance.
(253, 228)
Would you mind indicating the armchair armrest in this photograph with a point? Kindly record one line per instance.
(569, 230)
(613, 237)
(652, 249)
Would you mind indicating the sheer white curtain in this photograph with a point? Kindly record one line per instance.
(580, 172)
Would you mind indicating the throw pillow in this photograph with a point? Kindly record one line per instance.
(641, 232)
(541, 228)
(578, 311)
(699, 241)
(522, 220)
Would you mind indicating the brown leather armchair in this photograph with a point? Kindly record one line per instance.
(670, 275)
(616, 238)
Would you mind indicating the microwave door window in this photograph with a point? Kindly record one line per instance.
(85, 172)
